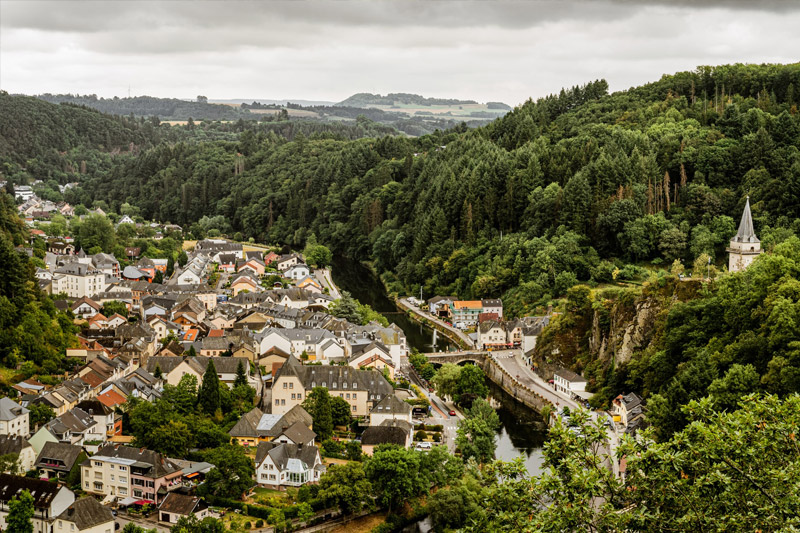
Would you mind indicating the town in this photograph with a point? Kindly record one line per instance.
(266, 326)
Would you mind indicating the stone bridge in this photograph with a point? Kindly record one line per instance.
(439, 358)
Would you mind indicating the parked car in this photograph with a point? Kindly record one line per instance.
(452, 413)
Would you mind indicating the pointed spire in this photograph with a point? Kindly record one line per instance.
(746, 232)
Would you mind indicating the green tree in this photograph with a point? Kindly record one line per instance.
(96, 231)
(739, 381)
(172, 439)
(20, 513)
(395, 474)
(39, 414)
(346, 487)
(318, 405)
(475, 436)
(353, 450)
(241, 376)
(232, 473)
(340, 411)
(208, 397)
(447, 379)
(471, 385)
(115, 306)
(346, 307)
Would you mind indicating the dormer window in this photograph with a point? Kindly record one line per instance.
(344, 385)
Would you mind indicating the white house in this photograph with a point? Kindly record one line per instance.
(569, 382)
(297, 272)
(492, 334)
(77, 280)
(86, 515)
(14, 418)
(390, 408)
(282, 465)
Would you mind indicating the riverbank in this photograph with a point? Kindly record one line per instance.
(458, 338)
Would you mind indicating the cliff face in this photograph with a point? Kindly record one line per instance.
(602, 330)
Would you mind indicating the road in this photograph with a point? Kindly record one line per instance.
(323, 275)
(440, 409)
(427, 316)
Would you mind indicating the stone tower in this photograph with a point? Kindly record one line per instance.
(745, 246)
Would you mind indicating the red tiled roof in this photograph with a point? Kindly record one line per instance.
(111, 398)
(216, 333)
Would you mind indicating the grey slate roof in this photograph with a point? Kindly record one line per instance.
(9, 409)
(256, 423)
(570, 376)
(58, 453)
(334, 377)
(281, 453)
(86, 513)
(12, 444)
(375, 435)
(299, 433)
(42, 491)
(746, 232)
(159, 465)
(391, 404)
(181, 504)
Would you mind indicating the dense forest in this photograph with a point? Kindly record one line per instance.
(582, 187)
(31, 329)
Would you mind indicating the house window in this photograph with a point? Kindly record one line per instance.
(285, 385)
(122, 468)
(344, 385)
(292, 396)
(354, 395)
(283, 402)
(355, 386)
(354, 408)
(277, 402)
(348, 395)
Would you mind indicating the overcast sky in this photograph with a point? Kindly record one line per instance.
(313, 50)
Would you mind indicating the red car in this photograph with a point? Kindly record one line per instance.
(452, 413)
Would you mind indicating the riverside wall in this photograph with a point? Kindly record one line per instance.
(430, 324)
(508, 383)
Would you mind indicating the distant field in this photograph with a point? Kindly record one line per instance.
(463, 110)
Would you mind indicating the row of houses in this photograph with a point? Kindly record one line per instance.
(465, 314)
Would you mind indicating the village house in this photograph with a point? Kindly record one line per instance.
(390, 408)
(297, 272)
(396, 432)
(57, 459)
(569, 382)
(21, 448)
(256, 426)
(361, 389)
(372, 356)
(287, 465)
(14, 419)
(176, 506)
(85, 515)
(77, 280)
(122, 472)
(464, 313)
(49, 500)
(628, 410)
(492, 335)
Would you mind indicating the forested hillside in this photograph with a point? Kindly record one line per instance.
(31, 329)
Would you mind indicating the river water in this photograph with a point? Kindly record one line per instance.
(522, 431)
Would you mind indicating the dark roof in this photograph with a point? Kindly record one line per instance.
(181, 504)
(299, 433)
(42, 491)
(246, 426)
(334, 376)
(86, 513)
(12, 444)
(94, 407)
(60, 452)
(746, 232)
(280, 453)
(375, 435)
(391, 404)
(570, 376)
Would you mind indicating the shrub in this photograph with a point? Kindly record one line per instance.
(259, 523)
(247, 525)
(437, 437)
(420, 435)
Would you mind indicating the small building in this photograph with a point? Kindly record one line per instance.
(86, 515)
(492, 334)
(49, 500)
(21, 448)
(14, 419)
(176, 506)
(569, 382)
(389, 432)
(57, 459)
(493, 306)
(390, 408)
(281, 465)
(628, 410)
(297, 272)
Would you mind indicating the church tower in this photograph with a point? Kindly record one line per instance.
(745, 246)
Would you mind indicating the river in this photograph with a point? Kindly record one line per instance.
(522, 431)
(362, 283)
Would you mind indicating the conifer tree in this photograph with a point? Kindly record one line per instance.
(208, 398)
(241, 377)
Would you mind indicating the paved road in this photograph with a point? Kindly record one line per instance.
(441, 409)
(427, 316)
(323, 275)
